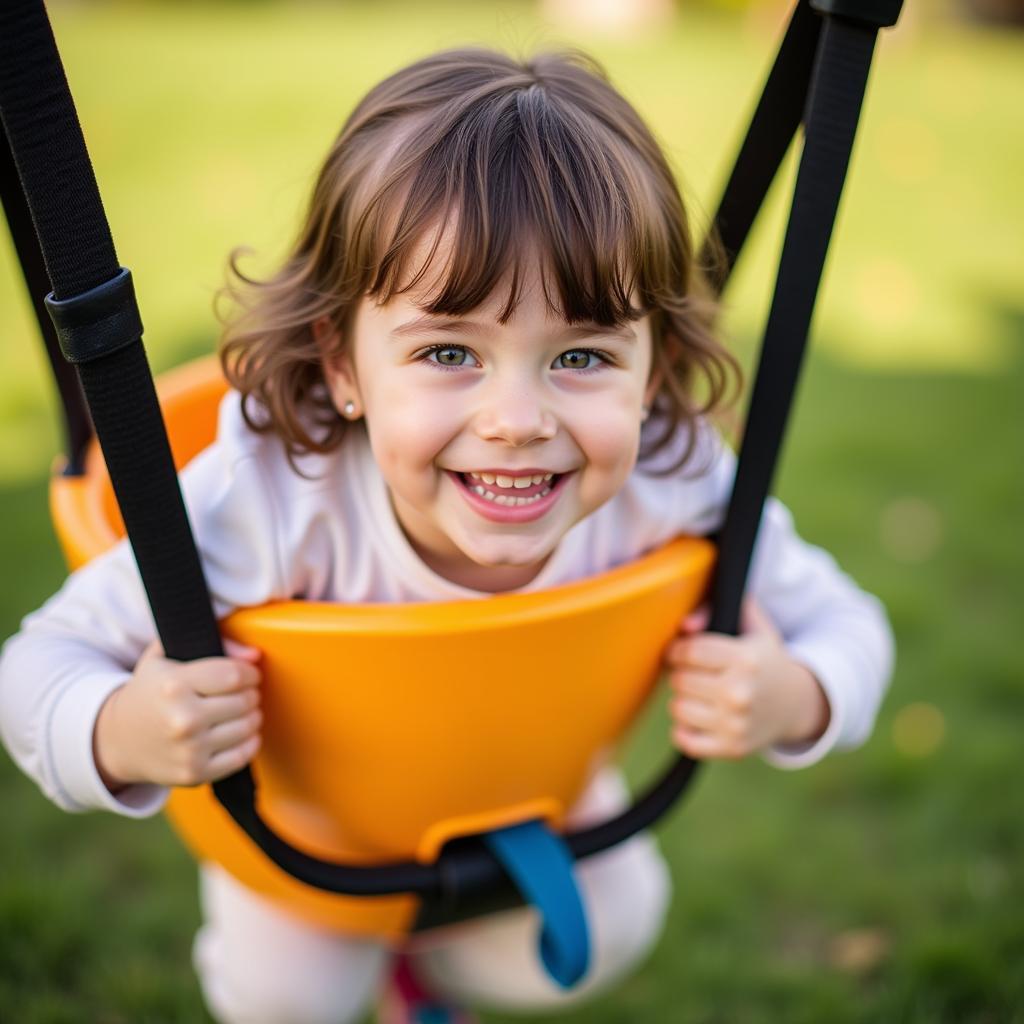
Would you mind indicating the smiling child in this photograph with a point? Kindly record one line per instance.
(487, 364)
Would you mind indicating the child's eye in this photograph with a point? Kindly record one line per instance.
(448, 356)
(580, 359)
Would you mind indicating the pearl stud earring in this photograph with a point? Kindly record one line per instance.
(349, 408)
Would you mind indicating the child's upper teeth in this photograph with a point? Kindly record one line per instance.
(517, 482)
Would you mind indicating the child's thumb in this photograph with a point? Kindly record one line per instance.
(754, 619)
(235, 649)
(697, 620)
(153, 650)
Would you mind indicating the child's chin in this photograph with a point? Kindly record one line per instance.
(507, 556)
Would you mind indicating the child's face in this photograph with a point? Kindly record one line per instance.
(452, 402)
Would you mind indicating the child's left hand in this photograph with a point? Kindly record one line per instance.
(732, 696)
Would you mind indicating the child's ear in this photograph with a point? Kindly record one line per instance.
(661, 350)
(327, 339)
(338, 369)
(654, 382)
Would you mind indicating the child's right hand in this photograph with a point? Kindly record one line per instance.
(180, 723)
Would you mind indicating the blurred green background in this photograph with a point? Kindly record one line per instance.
(881, 885)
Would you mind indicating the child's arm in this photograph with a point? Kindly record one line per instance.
(100, 721)
(733, 696)
(806, 674)
(180, 724)
(83, 716)
(809, 674)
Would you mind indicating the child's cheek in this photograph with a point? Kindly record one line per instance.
(407, 444)
(614, 438)
(611, 447)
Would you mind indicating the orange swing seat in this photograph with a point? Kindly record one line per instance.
(383, 738)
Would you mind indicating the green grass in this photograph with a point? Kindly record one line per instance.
(883, 885)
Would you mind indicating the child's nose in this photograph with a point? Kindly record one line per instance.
(515, 415)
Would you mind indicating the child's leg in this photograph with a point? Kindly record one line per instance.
(493, 963)
(257, 964)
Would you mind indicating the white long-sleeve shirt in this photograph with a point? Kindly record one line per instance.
(268, 533)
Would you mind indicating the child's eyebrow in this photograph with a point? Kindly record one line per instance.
(448, 325)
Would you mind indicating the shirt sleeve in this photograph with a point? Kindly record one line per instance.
(828, 624)
(71, 654)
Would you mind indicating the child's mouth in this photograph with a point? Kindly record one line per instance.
(503, 491)
(510, 503)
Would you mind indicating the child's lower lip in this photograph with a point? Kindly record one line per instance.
(509, 513)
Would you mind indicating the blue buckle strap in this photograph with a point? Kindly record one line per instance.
(541, 865)
(433, 1015)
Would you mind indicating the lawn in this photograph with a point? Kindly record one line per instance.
(881, 885)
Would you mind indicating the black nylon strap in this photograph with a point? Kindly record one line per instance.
(872, 13)
(77, 424)
(772, 127)
(120, 392)
(53, 164)
(837, 90)
(60, 188)
(838, 82)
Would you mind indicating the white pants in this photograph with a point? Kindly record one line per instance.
(257, 964)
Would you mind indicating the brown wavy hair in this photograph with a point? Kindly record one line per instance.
(509, 159)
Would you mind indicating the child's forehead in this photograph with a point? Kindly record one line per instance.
(411, 320)
(409, 316)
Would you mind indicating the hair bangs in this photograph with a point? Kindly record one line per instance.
(525, 196)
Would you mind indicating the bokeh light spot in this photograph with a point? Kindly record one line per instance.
(911, 529)
(859, 950)
(907, 150)
(616, 17)
(889, 294)
(918, 730)
(987, 879)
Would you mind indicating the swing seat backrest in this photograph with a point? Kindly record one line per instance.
(391, 729)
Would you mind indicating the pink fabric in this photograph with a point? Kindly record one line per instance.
(407, 995)
(407, 984)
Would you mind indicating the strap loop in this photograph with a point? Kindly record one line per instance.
(872, 13)
(540, 864)
(97, 322)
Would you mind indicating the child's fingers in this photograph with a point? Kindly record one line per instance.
(754, 619)
(697, 620)
(152, 652)
(229, 707)
(212, 676)
(234, 649)
(689, 713)
(694, 743)
(229, 761)
(709, 651)
(707, 746)
(231, 734)
(696, 683)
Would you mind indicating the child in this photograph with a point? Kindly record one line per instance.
(477, 371)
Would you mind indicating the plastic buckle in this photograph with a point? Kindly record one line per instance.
(97, 322)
